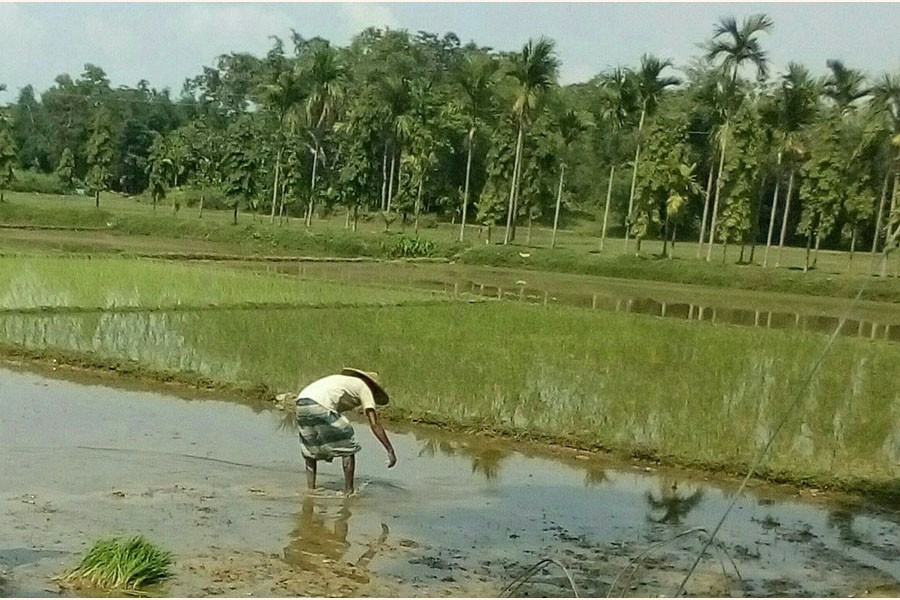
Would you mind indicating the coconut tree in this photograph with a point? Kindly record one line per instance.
(476, 79)
(844, 86)
(795, 107)
(395, 97)
(281, 94)
(324, 76)
(569, 125)
(534, 71)
(650, 85)
(886, 106)
(734, 47)
(618, 100)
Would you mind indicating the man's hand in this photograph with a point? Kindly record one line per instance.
(382, 437)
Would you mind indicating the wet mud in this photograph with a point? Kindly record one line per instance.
(220, 484)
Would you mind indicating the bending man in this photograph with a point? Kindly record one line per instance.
(325, 433)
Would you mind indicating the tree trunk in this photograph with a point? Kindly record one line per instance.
(97, 199)
(384, 178)
(275, 185)
(235, 211)
(281, 202)
(637, 158)
(465, 206)
(515, 221)
(889, 233)
(759, 201)
(347, 222)
(724, 250)
(816, 248)
(852, 245)
(201, 208)
(419, 202)
(784, 223)
(674, 235)
(355, 217)
(712, 222)
(772, 216)
(530, 219)
(665, 250)
(808, 246)
(390, 193)
(612, 172)
(508, 236)
(562, 174)
(709, 182)
(878, 216)
(312, 188)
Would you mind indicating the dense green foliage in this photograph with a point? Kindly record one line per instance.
(406, 124)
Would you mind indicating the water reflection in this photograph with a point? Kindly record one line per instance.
(673, 505)
(320, 533)
(458, 283)
(486, 457)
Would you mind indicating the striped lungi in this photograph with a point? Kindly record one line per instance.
(324, 433)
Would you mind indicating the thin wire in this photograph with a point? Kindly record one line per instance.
(796, 400)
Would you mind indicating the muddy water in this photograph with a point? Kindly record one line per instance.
(869, 320)
(214, 480)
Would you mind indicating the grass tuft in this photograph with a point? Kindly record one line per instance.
(127, 565)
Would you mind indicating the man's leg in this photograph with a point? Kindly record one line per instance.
(310, 473)
(349, 472)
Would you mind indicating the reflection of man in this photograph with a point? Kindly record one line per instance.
(325, 433)
(312, 540)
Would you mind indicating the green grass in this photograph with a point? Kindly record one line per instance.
(116, 283)
(122, 565)
(686, 393)
(745, 277)
(134, 223)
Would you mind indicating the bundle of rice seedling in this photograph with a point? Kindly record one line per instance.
(116, 564)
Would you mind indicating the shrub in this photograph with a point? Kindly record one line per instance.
(408, 247)
(35, 181)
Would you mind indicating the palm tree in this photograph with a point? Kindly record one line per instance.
(569, 124)
(619, 99)
(735, 47)
(325, 76)
(281, 95)
(708, 90)
(795, 107)
(395, 96)
(650, 87)
(476, 78)
(534, 70)
(886, 103)
(844, 86)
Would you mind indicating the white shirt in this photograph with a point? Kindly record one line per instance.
(339, 393)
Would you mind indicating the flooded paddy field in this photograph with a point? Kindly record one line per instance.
(866, 319)
(698, 395)
(221, 485)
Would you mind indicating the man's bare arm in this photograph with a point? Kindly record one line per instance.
(381, 435)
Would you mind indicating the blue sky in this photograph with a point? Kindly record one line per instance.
(164, 43)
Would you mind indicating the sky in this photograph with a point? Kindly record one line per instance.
(165, 43)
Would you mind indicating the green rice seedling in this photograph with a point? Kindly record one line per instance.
(126, 565)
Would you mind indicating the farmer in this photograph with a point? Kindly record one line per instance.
(325, 433)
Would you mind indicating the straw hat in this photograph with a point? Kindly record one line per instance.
(371, 379)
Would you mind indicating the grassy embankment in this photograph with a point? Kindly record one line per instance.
(125, 226)
(685, 393)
